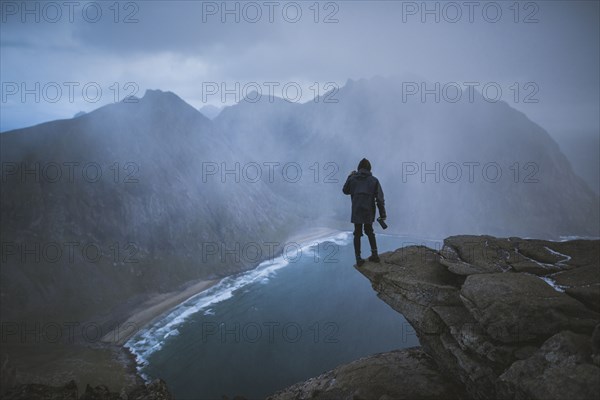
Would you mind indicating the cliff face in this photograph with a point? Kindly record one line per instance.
(141, 197)
(502, 318)
(408, 374)
(149, 217)
(420, 149)
(156, 390)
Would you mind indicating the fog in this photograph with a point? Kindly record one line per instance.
(185, 133)
(178, 46)
(540, 58)
(543, 55)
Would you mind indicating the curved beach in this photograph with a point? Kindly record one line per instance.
(161, 304)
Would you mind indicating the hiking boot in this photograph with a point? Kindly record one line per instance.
(374, 258)
(360, 262)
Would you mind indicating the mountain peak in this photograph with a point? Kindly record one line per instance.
(156, 95)
(255, 97)
(167, 101)
(162, 96)
(210, 111)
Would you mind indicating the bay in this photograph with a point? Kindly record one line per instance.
(290, 319)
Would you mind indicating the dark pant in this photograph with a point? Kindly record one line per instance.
(358, 232)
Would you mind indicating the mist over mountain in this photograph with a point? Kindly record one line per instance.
(446, 167)
(210, 111)
(164, 191)
(581, 148)
(126, 181)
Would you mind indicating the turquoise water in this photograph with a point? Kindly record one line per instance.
(281, 323)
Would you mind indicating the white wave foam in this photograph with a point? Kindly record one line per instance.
(153, 337)
(573, 237)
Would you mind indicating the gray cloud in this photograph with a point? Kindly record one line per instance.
(172, 48)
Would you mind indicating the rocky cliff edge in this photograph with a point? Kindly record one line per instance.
(497, 318)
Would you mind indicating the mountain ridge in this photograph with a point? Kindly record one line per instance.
(154, 190)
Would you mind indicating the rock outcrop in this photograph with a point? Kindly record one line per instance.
(156, 390)
(502, 318)
(408, 374)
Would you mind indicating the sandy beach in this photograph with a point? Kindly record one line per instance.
(161, 304)
(312, 235)
(112, 364)
(152, 309)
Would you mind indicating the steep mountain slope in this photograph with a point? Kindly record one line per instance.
(117, 205)
(166, 200)
(499, 172)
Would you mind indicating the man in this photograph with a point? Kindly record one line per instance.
(365, 192)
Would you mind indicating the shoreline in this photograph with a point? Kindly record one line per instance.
(147, 312)
(159, 305)
(307, 237)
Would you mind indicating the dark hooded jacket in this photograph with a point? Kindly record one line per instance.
(365, 192)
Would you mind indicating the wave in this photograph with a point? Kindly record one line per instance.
(153, 337)
(573, 237)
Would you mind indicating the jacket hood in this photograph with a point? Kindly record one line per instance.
(364, 171)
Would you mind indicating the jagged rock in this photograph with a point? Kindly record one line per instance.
(469, 335)
(582, 283)
(401, 374)
(576, 253)
(561, 369)
(516, 307)
(411, 280)
(541, 251)
(466, 255)
(596, 345)
(156, 390)
(100, 392)
(34, 391)
(488, 321)
(8, 376)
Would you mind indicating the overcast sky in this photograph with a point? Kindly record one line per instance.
(550, 49)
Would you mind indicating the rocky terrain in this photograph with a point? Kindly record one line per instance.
(109, 209)
(156, 390)
(408, 374)
(102, 211)
(497, 318)
(151, 221)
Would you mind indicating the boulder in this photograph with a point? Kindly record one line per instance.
(501, 318)
(402, 374)
(561, 369)
(519, 307)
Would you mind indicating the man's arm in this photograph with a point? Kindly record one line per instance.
(380, 201)
(347, 189)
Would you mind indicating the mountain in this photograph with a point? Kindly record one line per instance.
(162, 192)
(118, 207)
(581, 148)
(155, 390)
(103, 211)
(496, 170)
(210, 111)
